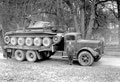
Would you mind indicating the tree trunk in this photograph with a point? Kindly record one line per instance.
(2, 36)
(76, 24)
(90, 26)
(2, 32)
(91, 22)
(118, 5)
(82, 23)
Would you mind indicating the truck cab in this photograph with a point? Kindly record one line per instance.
(86, 51)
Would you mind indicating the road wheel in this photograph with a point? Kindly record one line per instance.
(47, 42)
(31, 56)
(29, 41)
(85, 58)
(19, 55)
(97, 58)
(13, 41)
(21, 41)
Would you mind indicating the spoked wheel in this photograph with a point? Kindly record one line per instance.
(85, 58)
(31, 56)
(19, 55)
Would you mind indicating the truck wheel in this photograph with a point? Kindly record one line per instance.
(31, 56)
(97, 58)
(85, 58)
(19, 55)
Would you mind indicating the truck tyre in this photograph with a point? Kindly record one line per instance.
(31, 56)
(19, 55)
(97, 59)
(85, 58)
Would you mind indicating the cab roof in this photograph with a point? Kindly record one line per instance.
(72, 33)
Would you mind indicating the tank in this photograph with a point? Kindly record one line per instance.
(31, 44)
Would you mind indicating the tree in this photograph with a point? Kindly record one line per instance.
(80, 14)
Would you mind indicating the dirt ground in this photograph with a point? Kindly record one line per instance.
(57, 69)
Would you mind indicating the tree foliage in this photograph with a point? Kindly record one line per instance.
(20, 13)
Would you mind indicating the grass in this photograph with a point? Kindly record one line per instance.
(55, 70)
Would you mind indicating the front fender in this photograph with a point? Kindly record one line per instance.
(93, 52)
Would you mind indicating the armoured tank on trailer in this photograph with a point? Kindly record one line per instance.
(31, 44)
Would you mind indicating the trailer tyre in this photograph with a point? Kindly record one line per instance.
(31, 56)
(85, 58)
(19, 55)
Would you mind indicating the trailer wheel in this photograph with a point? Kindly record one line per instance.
(31, 56)
(85, 58)
(19, 55)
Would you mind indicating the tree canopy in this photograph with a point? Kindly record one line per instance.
(84, 15)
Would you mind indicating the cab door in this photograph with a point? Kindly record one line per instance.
(70, 39)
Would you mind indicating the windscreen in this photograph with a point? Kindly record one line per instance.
(70, 37)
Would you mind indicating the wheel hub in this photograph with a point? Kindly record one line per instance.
(85, 58)
(19, 54)
(31, 55)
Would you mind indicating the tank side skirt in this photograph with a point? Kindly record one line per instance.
(30, 33)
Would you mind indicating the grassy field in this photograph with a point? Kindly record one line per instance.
(55, 70)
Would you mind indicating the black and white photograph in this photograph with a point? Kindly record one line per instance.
(59, 40)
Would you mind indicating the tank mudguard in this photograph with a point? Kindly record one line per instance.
(93, 52)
